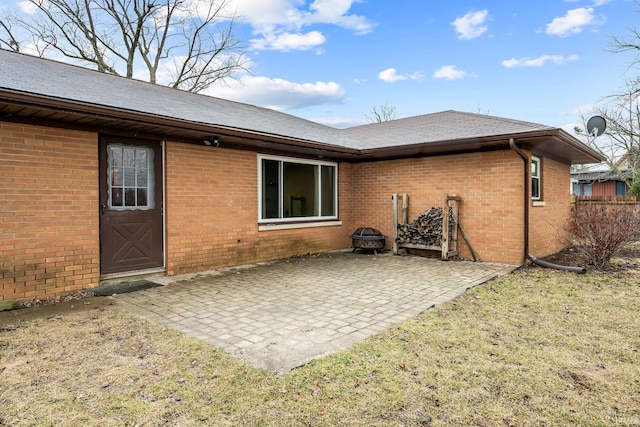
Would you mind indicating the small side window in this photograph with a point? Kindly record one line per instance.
(536, 178)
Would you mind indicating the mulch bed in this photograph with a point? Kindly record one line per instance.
(627, 258)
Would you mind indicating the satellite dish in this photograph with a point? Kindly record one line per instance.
(596, 126)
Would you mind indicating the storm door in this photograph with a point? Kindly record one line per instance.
(131, 226)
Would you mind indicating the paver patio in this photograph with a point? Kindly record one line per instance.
(284, 314)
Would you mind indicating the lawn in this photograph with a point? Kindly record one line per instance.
(536, 347)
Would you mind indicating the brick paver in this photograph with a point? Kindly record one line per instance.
(284, 314)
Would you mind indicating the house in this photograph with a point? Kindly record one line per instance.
(599, 182)
(103, 177)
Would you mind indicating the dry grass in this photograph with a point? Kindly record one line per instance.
(537, 347)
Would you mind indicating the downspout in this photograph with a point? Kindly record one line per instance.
(525, 159)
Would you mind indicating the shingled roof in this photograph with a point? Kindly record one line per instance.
(444, 126)
(41, 91)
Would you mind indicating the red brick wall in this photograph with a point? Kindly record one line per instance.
(490, 187)
(212, 212)
(547, 221)
(49, 224)
(489, 184)
(48, 211)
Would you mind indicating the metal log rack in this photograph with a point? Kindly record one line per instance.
(449, 246)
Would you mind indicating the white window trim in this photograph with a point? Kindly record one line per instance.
(269, 227)
(539, 177)
(307, 219)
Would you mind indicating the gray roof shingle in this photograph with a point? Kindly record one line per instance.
(64, 81)
(443, 126)
(80, 91)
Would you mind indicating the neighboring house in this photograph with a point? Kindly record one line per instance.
(104, 177)
(599, 183)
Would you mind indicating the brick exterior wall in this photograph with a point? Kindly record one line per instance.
(49, 215)
(49, 231)
(489, 185)
(547, 222)
(212, 212)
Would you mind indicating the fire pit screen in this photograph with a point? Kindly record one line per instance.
(368, 238)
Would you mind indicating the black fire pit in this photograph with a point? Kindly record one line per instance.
(368, 238)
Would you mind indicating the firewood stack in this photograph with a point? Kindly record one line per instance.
(426, 230)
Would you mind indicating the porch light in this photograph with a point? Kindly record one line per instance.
(212, 141)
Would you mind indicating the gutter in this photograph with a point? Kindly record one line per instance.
(533, 259)
(105, 112)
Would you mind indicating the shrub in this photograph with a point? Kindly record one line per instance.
(599, 231)
(634, 189)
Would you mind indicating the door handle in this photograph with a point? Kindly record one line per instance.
(102, 206)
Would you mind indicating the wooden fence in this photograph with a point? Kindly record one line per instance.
(630, 201)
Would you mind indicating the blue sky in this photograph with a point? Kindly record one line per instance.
(332, 61)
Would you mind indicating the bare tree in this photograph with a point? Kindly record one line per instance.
(622, 113)
(382, 113)
(8, 40)
(191, 41)
(620, 144)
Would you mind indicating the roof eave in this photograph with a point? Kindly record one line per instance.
(585, 151)
(571, 149)
(463, 145)
(163, 122)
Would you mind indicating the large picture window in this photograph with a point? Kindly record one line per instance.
(296, 189)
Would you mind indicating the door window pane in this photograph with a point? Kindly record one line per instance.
(141, 178)
(129, 197)
(141, 194)
(116, 197)
(130, 176)
(129, 156)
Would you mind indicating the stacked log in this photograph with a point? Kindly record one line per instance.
(425, 230)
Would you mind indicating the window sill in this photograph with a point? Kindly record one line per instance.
(539, 203)
(269, 227)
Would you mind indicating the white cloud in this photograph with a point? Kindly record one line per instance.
(28, 7)
(282, 20)
(289, 41)
(573, 22)
(335, 12)
(449, 72)
(390, 75)
(539, 61)
(580, 111)
(279, 94)
(339, 122)
(472, 25)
